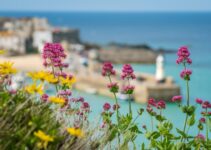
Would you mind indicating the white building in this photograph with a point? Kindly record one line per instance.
(40, 37)
(12, 42)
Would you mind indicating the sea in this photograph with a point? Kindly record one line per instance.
(167, 30)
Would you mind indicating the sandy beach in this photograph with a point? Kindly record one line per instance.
(26, 62)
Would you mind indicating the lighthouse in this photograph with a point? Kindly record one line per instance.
(159, 76)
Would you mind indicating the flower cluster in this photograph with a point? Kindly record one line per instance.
(184, 58)
(53, 54)
(185, 74)
(107, 69)
(157, 104)
(127, 72)
(113, 87)
(128, 89)
(177, 98)
(183, 55)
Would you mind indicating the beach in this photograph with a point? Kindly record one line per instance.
(26, 62)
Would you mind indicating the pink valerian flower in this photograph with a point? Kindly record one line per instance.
(185, 74)
(65, 92)
(152, 102)
(115, 107)
(206, 104)
(183, 55)
(106, 106)
(199, 101)
(107, 69)
(127, 72)
(53, 55)
(128, 89)
(85, 106)
(114, 88)
(149, 109)
(200, 137)
(202, 120)
(44, 97)
(177, 98)
(161, 104)
(12, 91)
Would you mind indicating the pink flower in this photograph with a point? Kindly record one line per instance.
(65, 93)
(152, 102)
(106, 106)
(200, 137)
(116, 106)
(12, 91)
(202, 120)
(199, 101)
(183, 52)
(114, 88)
(128, 89)
(206, 104)
(127, 72)
(185, 74)
(44, 97)
(53, 55)
(161, 104)
(149, 109)
(85, 106)
(177, 98)
(107, 69)
(183, 55)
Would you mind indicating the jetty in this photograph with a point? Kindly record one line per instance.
(158, 86)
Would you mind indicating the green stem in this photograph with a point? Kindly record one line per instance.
(117, 113)
(188, 93)
(54, 77)
(188, 101)
(207, 126)
(130, 108)
(152, 123)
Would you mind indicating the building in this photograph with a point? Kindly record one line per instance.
(67, 35)
(40, 37)
(12, 42)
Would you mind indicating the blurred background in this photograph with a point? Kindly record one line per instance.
(145, 33)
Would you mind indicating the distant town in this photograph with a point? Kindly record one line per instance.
(26, 35)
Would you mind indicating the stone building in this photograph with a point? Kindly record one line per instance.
(12, 42)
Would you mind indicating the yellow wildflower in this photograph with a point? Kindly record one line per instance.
(57, 100)
(6, 68)
(51, 79)
(32, 89)
(68, 81)
(42, 136)
(75, 132)
(2, 51)
(39, 75)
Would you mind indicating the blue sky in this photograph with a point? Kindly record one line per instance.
(106, 5)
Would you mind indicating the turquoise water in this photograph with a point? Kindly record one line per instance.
(159, 30)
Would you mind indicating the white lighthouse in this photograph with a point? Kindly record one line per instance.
(160, 75)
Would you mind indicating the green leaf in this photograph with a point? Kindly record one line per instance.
(183, 134)
(191, 120)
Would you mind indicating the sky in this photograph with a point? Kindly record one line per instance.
(105, 5)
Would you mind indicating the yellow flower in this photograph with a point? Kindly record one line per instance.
(51, 79)
(68, 81)
(32, 89)
(2, 51)
(42, 136)
(39, 75)
(75, 132)
(57, 100)
(6, 68)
